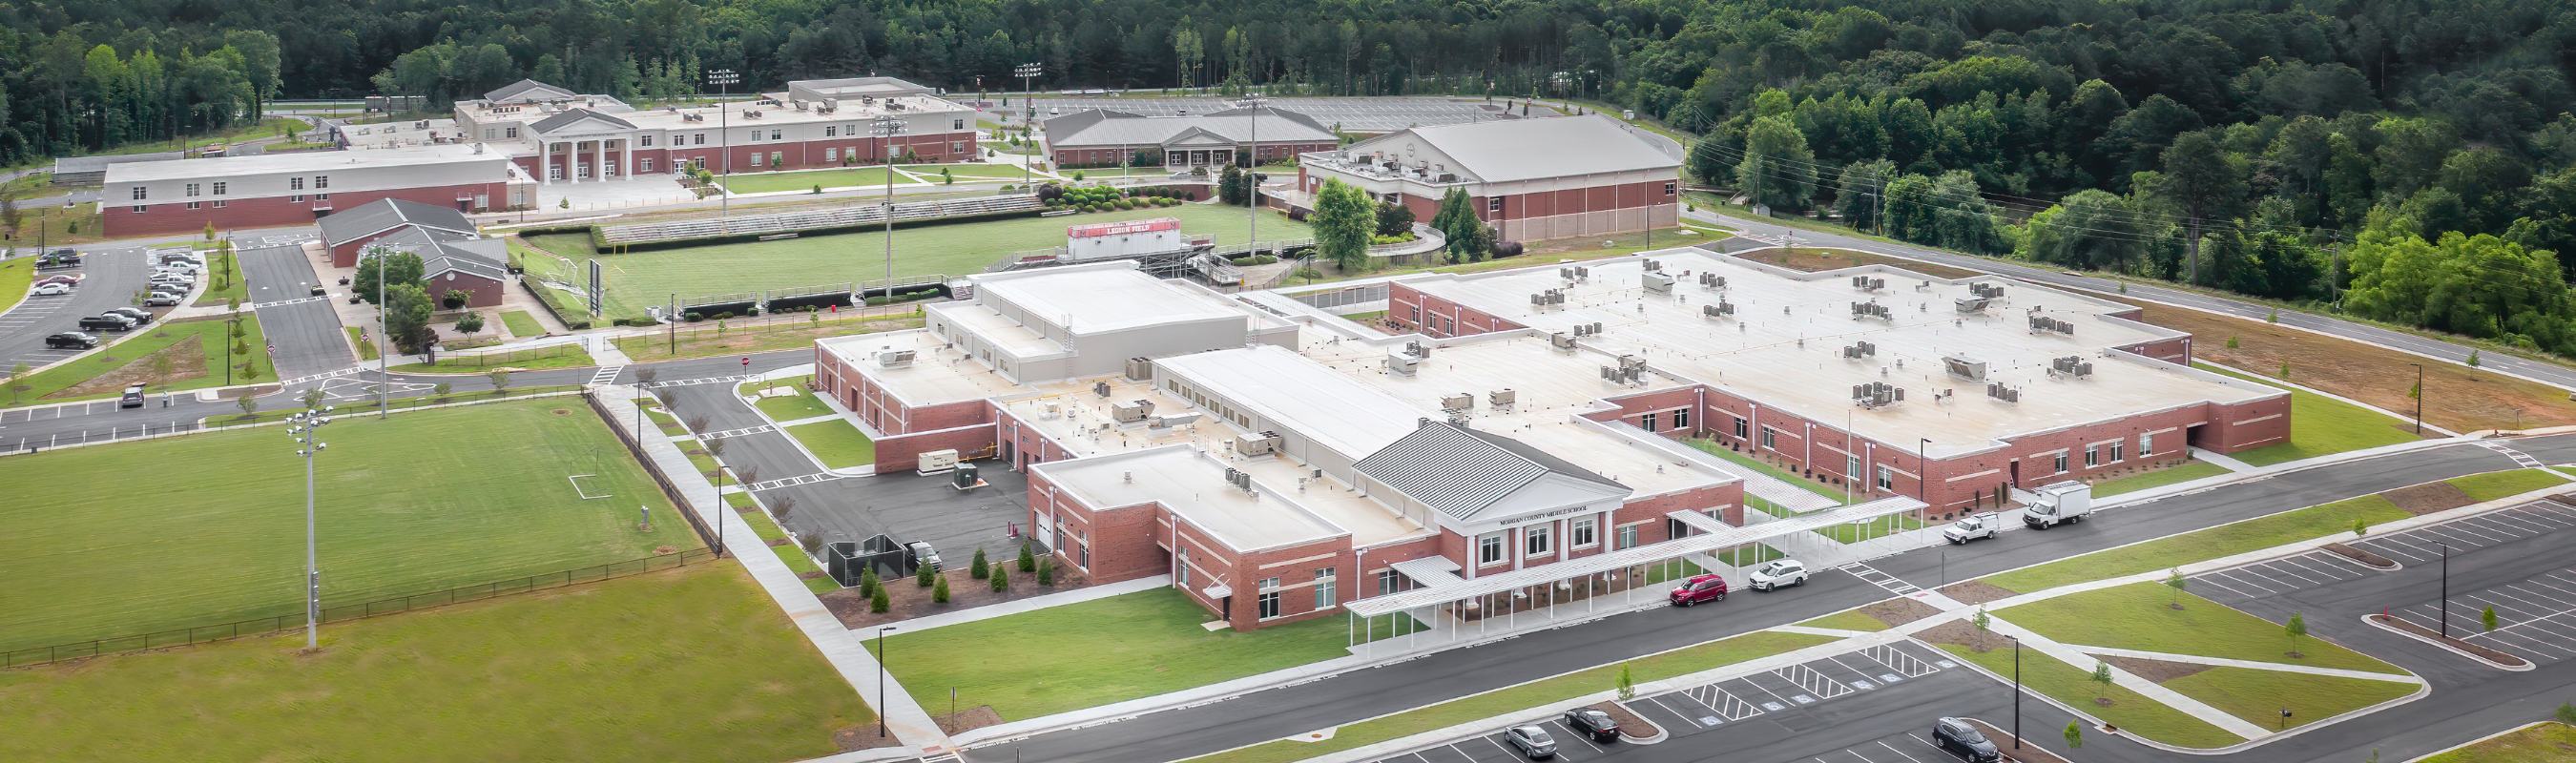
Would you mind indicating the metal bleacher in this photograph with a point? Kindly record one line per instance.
(795, 222)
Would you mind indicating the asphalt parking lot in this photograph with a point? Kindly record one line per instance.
(109, 278)
(1854, 706)
(2535, 617)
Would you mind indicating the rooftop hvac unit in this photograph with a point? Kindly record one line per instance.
(1869, 310)
(2071, 365)
(1501, 398)
(1460, 401)
(1560, 340)
(1987, 290)
(935, 461)
(1653, 266)
(1403, 362)
(1712, 281)
(1100, 388)
(2039, 323)
(1964, 368)
(1659, 283)
(1448, 177)
(1866, 283)
(1240, 479)
(1140, 369)
(1596, 327)
(1970, 304)
(1263, 444)
(1556, 296)
(1131, 412)
(1877, 395)
(1169, 420)
(1418, 349)
(1719, 310)
(1538, 299)
(1861, 350)
(2004, 393)
(893, 358)
(1582, 330)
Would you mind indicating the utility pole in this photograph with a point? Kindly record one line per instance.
(724, 80)
(889, 126)
(2419, 398)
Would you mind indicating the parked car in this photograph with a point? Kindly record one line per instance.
(1976, 526)
(1532, 741)
(923, 556)
(59, 258)
(1956, 737)
(1780, 573)
(1710, 587)
(107, 323)
(72, 340)
(1593, 723)
(161, 299)
(50, 290)
(67, 279)
(140, 315)
(133, 397)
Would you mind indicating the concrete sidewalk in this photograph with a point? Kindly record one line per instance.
(845, 649)
(2127, 680)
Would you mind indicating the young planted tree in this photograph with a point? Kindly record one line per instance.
(501, 382)
(939, 590)
(868, 581)
(2074, 735)
(441, 391)
(786, 504)
(1627, 682)
(1046, 576)
(2175, 581)
(2297, 628)
(980, 569)
(312, 399)
(2102, 677)
(249, 405)
(1028, 557)
(2360, 527)
(880, 602)
(1001, 580)
(811, 542)
(2487, 619)
(1982, 620)
(468, 323)
(924, 576)
(16, 372)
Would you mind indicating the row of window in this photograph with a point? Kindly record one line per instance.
(1540, 540)
(2094, 455)
(220, 187)
(221, 203)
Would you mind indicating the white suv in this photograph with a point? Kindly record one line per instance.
(1779, 573)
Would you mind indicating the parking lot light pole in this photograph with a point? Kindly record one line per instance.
(2016, 690)
(2419, 398)
(307, 431)
(881, 680)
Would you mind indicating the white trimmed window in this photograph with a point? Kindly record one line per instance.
(1489, 549)
(1585, 532)
(1538, 540)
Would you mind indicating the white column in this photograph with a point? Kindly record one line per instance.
(545, 162)
(599, 158)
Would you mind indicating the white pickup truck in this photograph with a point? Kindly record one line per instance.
(2058, 504)
(1974, 526)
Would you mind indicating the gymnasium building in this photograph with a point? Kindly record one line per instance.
(1531, 179)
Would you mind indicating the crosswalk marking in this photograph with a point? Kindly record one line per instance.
(1880, 579)
(799, 480)
(605, 375)
(730, 433)
(2520, 458)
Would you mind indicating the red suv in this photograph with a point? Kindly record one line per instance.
(1710, 587)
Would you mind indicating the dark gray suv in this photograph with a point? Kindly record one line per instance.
(1959, 738)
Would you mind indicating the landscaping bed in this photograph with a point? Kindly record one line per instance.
(2155, 671)
(2489, 654)
(2257, 696)
(2361, 556)
(1977, 592)
(907, 599)
(2428, 498)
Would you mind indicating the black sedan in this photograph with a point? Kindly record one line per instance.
(1592, 723)
(72, 340)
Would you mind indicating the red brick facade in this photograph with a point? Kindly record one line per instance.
(1095, 156)
(166, 218)
(771, 156)
(485, 292)
(1436, 317)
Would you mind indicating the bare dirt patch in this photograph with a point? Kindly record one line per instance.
(187, 361)
(968, 719)
(2158, 671)
(2459, 398)
(2029, 752)
(2428, 498)
(1813, 260)
(908, 599)
(1899, 611)
(1962, 633)
(861, 737)
(1977, 592)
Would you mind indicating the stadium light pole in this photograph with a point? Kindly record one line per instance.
(1252, 177)
(1028, 100)
(307, 431)
(384, 360)
(887, 127)
(724, 79)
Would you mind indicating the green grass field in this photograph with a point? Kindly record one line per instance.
(1684, 661)
(1850, 620)
(2547, 741)
(690, 664)
(2494, 485)
(357, 338)
(415, 503)
(124, 362)
(2158, 478)
(766, 182)
(1134, 645)
(2134, 713)
(2321, 425)
(2211, 543)
(962, 171)
(2136, 616)
(650, 277)
(16, 277)
(1872, 530)
(840, 444)
(226, 271)
(1718, 449)
(522, 324)
(2257, 696)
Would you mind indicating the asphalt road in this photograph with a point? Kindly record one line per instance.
(2546, 373)
(304, 332)
(112, 275)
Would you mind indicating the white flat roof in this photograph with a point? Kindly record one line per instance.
(1102, 297)
(1192, 485)
(936, 376)
(998, 329)
(1783, 347)
(1332, 409)
(305, 161)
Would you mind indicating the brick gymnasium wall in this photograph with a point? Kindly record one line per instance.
(1591, 223)
(897, 453)
(793, 155)
(2176, 351)
(1410, 308)
(1110, 155)
(486, 292)
(164, 218)
(1122, 540)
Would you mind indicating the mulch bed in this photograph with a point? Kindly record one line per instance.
(2501, 658)
(1965, 634)
(2030, 751)
(910, 600)
(1629, 721)
(1899, 611)
(2428, 498)
(968, 719)
(776, 542)
(2158, 671)
(2361, 556)
(862, 737)
(1977, 592)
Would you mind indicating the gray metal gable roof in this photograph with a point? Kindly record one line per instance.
(568, 117)
(1526, 149)
(1101, 128)
(1462, 472)
(526, 89)
(386, 214)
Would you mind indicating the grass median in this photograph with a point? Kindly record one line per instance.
(2493, 485)
(16, 277)
(2257, 696)
(541, 358)
(781, 333)
(692, 663)
(1849, 620)
(2320, 426)
(2199, 545)
(2537, 742)
(1679, 662)
(2158, 478)
(2134, 713)
(358, 338)
(522, 324)
(1131, 646)
(837, 442)
(410, 504)
(195, 351)
(2140, 616)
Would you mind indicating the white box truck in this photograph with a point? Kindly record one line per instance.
(2058, 504)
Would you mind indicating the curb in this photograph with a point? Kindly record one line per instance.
(2527, 664)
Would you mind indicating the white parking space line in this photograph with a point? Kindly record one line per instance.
(2212, 579)
(2388, 548)
(2318, 564)
(1890, 748)
(2518, 521)
(1856, 753)
(2502, 530)
(1658, 701)
(1569, 731)
(1498, 744)
(2285, 573)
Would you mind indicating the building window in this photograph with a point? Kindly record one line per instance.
(219, 203)
(2147, 444)
(1585, 532)
(1181, 568)
(831, 154)
(554, 172)
(1669, 188)
(219, 188)
(321, 181)
(2092, 457)
(1494, 205)
(192, 205)
(192, 189)
(1740, 426)
(644, 166)
(1538, 540)
(2115, 452)
(1627, 538)
(956, 124)
(644, 141)
(510, 132)
(956, 147)
(2061, 462)
(292, 184)
(774, 135)
(1387, 582)
(831, 130)
(141, 193)
(612, 168)
(1324, 591)
(1770, 439)
(698, 139)
(1886, 478)
(295, 199)
(1647, 421)
(321, 197)
(755, 136)
(1085, 549)
(1851, 467)
(1489, 549)
(1269, 598)
(1681, 419)
(490, 133)
(755, 158)
(138, 208)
